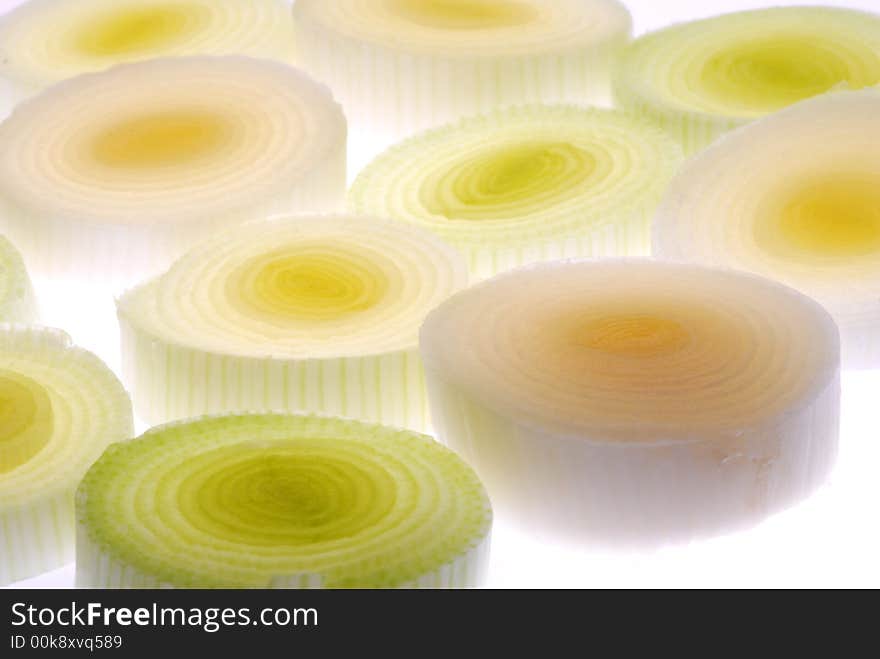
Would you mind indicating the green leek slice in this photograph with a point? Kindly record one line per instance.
(45, 41)
(637, 403)
(794, 197)
(281, 502)
(60, 407)
(17, 303)
(700, 79)
(112, 175)
(300, 313)
(399, 66)
(527, 184)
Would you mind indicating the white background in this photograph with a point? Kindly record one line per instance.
(832, 540)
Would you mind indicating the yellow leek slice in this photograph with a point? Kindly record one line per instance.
(60, 407)
(703, 78)
(317, 314)
(399, 66)
(281, 502)
(45, 41)
(527, 184)
(795, 197)
(17, 303)
(630, 402)
(115, 174)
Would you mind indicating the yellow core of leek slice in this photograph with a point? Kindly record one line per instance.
(836, 217)
(464, 14)
(633, 335)
(128, 30)
(307, 285)
(26, 420)
(492, 183)
(161, 139)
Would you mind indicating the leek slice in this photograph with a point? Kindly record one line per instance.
(60, 407)
(281, 502)
(317, 314)
(795, 197)
(399, 66)
(45, 41)
(527, 184)
(112, 175)
(630, 402)
(17, 303)
(700, 79)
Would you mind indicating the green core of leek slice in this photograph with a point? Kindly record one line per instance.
(491, 185)
(702, 78)
(25, 419)
(256, 501)
(527, 184)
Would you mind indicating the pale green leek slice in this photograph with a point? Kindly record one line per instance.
(300, 313)
(60, 407)
(17, 303)
(703, 78)
(45, 41)
(794, 197)
(277, 501)
(399, 66)
(112, 175)
(631, 402)
(527, 184)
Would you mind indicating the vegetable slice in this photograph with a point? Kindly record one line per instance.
(795, 197)
(702, 78)
(45, 41)
(281, 502)
(399, 66)
(60, 407)
(317, 314)
(112, 175)
(636, 402)
(527, 184)
(17, 303)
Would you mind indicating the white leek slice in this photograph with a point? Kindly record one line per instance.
(281, 502)
(636, 402)
(527, 184)
(115, 174)
(399, 66)
(317, 314)
(703, 78)
(60, 407)
(795, 197)
(45, 41)
(17, 303)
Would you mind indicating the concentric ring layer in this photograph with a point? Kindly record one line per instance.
(793, 197)
(45, 41)
(114, 174)
(299, 313)
(399, 66)
(281, 502)
(60, 407)
(526, 184)
(636, 401)
(700, 79)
